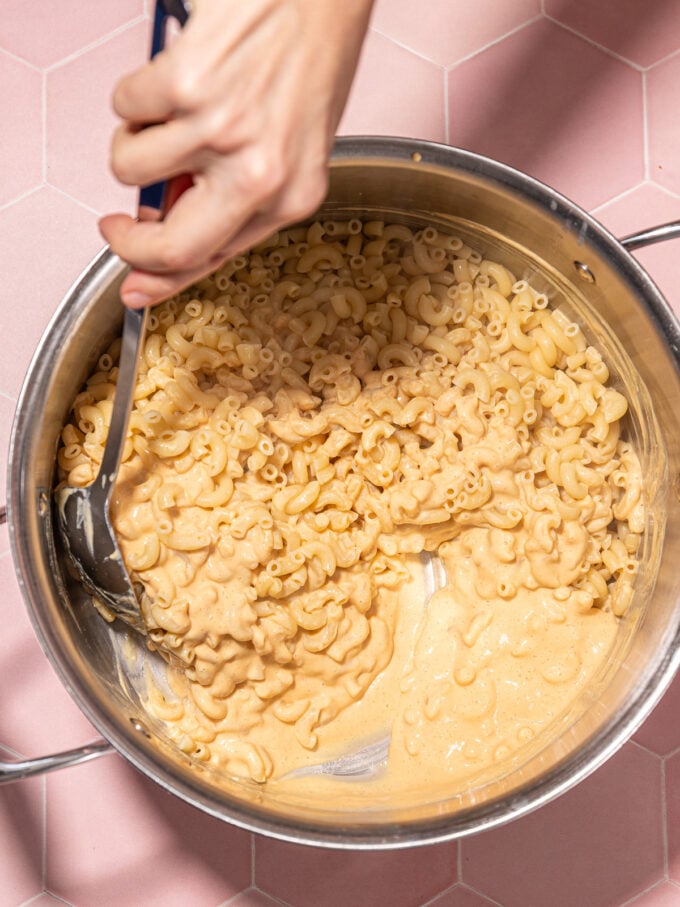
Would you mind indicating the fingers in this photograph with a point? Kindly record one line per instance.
(212, 220)
(145, 287)
(212, 211)
(144, 96)
(155, 153)
(141, 289)
(202, 221)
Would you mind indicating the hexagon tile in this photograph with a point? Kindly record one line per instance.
(568, 144)
(583, 94)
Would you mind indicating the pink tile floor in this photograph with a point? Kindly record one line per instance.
(583, 94)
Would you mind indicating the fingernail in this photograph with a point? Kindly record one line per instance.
(135, 300)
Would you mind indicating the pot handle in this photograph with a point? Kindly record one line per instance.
(15, 771)
(661, 233)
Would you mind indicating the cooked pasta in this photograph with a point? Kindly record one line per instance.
(308, 420)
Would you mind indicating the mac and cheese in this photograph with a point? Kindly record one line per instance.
(307, 422)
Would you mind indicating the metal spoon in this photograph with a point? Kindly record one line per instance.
(83, 513)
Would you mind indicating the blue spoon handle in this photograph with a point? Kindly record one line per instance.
(153, 196)
(134, 324)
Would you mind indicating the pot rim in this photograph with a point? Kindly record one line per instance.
(565, 774)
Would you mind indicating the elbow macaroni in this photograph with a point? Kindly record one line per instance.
(309, 418)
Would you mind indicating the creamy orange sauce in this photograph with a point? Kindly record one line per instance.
(489, 674)
(311, 424)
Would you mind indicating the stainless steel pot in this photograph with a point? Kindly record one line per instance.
(540, 235)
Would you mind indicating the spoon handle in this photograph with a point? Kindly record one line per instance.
(134, 322)
(153, 196)
(134, 327)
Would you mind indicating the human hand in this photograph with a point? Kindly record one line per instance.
(246, 100)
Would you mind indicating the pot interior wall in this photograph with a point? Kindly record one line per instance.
(539, 239)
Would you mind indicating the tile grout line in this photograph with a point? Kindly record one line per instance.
(651, 183)
(98, 42)
(635, 899)
(645, 749)
(482, 894)
(58, 897)
(10, 751)
(33, 898)
(273, 897)
(618, 197)
(664, 820)
(605, 50)
(645, 128)
(402, 46)
(458, 887)
(73, 199)
(670, 56)
(22, 197)
(513, 31)
(232, 897)
(43, 124)
(447, 67)
(666, 191)
(18, 59)
(430, 902)
(252, 888)
(44, 833)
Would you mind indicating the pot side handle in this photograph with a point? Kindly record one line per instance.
(661, 233)
(15, 771)
(26, 768)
